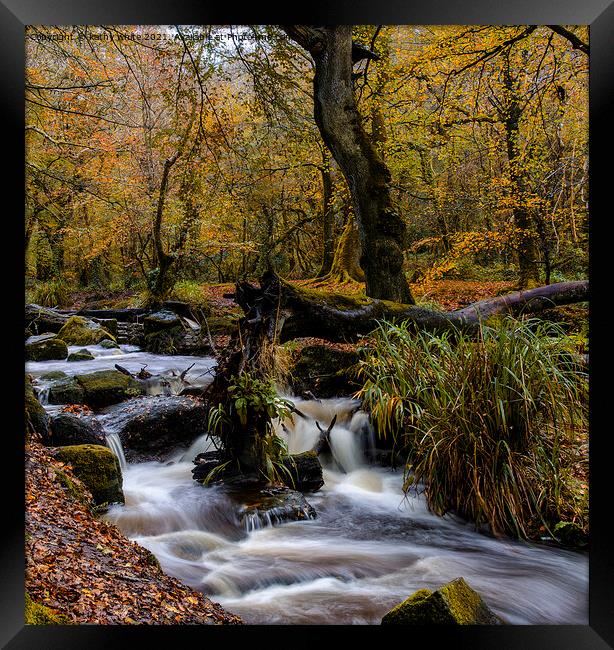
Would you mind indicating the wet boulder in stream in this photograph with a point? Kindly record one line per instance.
(150, 428)
(456, 603)
(79, 330)
(46, 349)
(37, 420)
(105, 387)
(72, 429)
(98, 468)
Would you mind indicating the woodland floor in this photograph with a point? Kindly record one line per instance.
(85, 569)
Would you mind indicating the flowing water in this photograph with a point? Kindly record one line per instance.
(368, 549)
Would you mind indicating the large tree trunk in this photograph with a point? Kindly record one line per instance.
(381, 228)
(346, 263)
(527, 250)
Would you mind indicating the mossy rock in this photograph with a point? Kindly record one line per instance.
(109, 324)
(79, 330)
(456, 603)
(37, 419)
(165, 341)
(76, 490)
(222, 325)
(108, 344)
(98, 468)
(80, 355)
(50, 349)
(71, 429)
(53, 374)
(160, 321)
(106, 387)
(65, 391)
(324, 371)
(37, 614)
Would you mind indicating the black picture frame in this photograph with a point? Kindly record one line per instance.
(15, 15)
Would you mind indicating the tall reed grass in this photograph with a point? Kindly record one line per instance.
(494, 428)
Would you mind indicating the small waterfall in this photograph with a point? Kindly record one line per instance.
(352, 439)
(43, 395)
(115, 445)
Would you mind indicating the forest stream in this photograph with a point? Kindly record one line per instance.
(369, 547)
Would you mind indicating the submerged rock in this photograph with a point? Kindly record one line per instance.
(98, 468)
(456, 603)
(71, 429)
(48, 349)
(79, 330)
(273, 506)
(105, 387)
(150, 427)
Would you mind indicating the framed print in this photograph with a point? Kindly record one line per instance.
(307, 322)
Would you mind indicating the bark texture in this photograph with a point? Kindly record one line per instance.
(381, 229)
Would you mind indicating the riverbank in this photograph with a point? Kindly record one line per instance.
(84, 570)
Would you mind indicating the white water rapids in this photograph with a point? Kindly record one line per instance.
(368, 549)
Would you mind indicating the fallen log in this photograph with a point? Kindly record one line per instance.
(324, 439)
(308, 313)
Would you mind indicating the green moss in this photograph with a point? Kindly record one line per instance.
(98, 468)
(80, 355)
(37, 614)
(53, 374)
(66, 391)
(106, 387)
(78, 492)
(47, 350)
(453, 604)
(36, 416)
(333, 300)
(80, 331)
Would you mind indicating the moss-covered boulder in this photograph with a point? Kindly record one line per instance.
(48, 349)
(79, 330)
(53, 375)
(37, 614)
(80, 355)
(160, 320)
(108, 344)
(305, 472)
(37, 420)
(456, 603)
(323, 371)
(98, 468)
(109, 324)
(66, 390)
(106, 387)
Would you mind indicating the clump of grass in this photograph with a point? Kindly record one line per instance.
(493, 427)
(52, 293)
(192, 293)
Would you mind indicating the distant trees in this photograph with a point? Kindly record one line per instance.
(151, 161)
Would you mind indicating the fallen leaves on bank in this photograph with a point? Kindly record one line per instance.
(84, 568)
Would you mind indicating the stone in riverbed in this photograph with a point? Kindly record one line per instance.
(48, 349)
(105, 387)
(71, 429)
(306, 471)
(456, 603)
(80, 355)
(37, 419)
(98, 468)
(65, 391)
(273, 506)
(108, 344)
(79, 330)
(151, 427)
